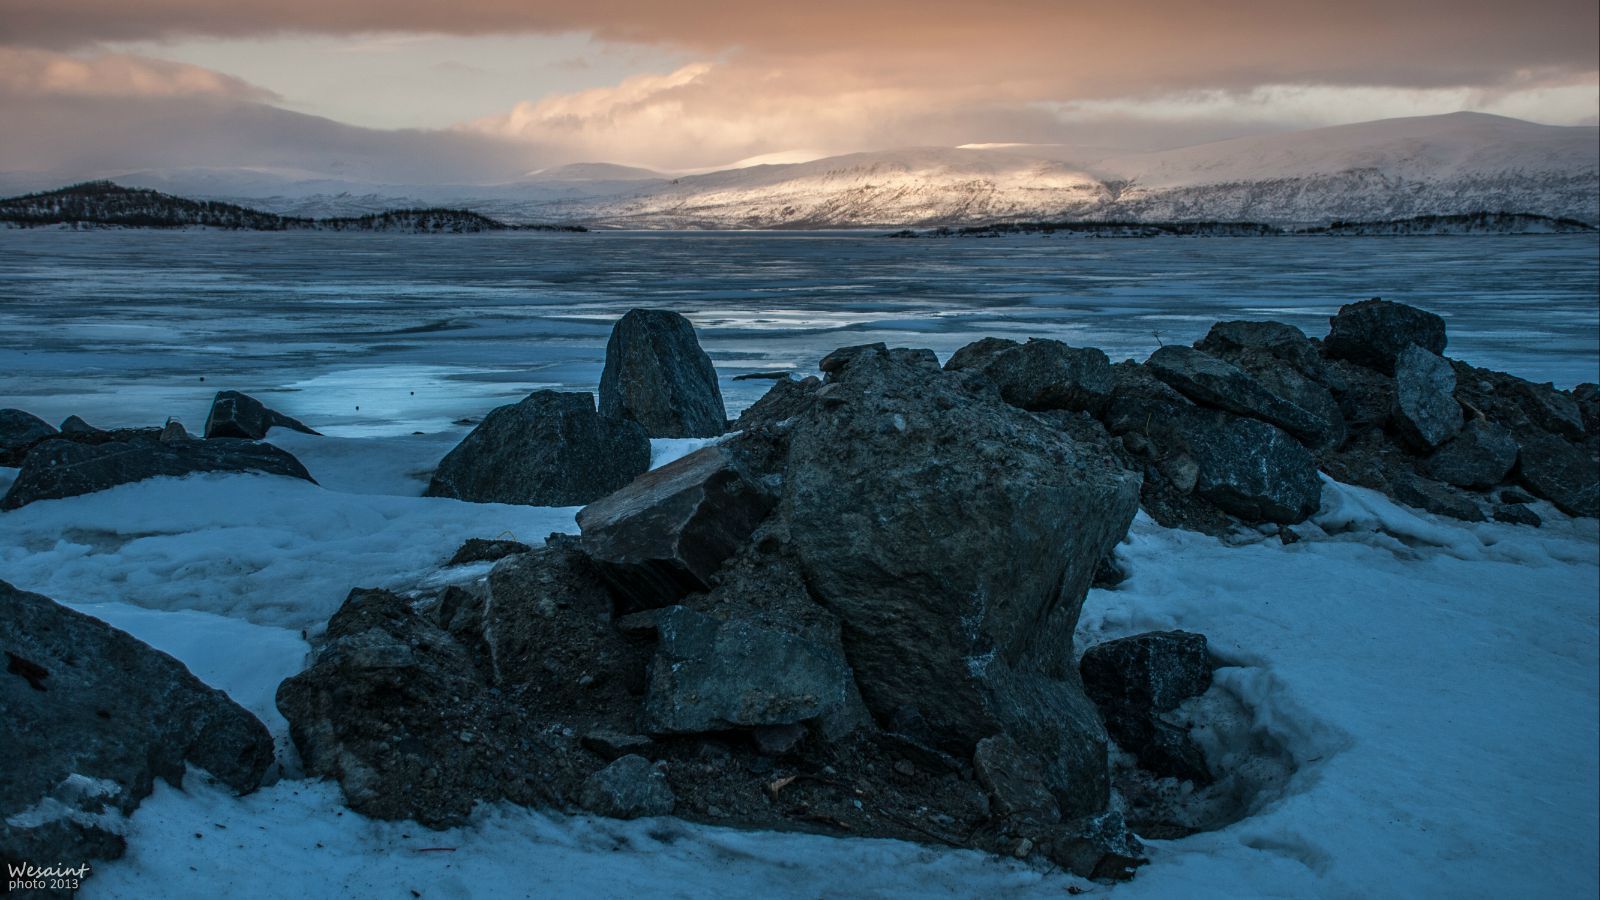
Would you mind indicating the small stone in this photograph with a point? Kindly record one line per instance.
(628, 788)
(1517, 514)
(778, 740)
(904, 767)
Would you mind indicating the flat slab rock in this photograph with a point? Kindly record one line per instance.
(60, 468)
(92, 717)
(663, 535)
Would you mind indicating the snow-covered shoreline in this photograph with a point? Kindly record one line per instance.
(1435, 680)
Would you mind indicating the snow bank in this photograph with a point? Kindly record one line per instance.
(1437, 684)
(270, 551)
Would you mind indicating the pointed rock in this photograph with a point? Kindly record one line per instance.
(236, 415)
(657, 375)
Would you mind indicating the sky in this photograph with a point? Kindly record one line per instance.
(479, 91)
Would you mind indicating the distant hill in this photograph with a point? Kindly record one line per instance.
(106, 204)
(1467, 223)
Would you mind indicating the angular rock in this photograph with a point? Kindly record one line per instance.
(1133, 680)
(665, 534)
(1479, 457)
(1560, 472)
(67, 468)
(1015, 780)
(75, 425)
(1427, 494)
(778, 740)
(1517, 515)
(1425, 411)
(786, 399)
(91, 718)
(657, 375)
(1238, 339)
(1213, 382)
(614, 744)
(1098, 847)
(236, 415)
(628, 788)
(551, 449)
(483, 550)
(711, 675)
(18, 431)
(1373, 332)
(1519, 404)
(1246, 467)
(955, 537)
(400, 715)
(1154, 671)
(1040, 374)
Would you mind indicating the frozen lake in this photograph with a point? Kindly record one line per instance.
(380, 334)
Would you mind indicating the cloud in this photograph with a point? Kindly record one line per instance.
(1051, 49)
(41, 73)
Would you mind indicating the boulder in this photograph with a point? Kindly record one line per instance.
(1426, 413)
(664, 534)
(1245, 467)
(400, 714)
(75, 425)
(1236, 340)
(1561, 472)
(236, 415)
(551, 449)
(92, 717)
(1135, 679)
(1150, 672)
(1516, 514)
(67, 468)
(1479, 457)
(657, 375)
(18, 431)
(1426, 494)
(1098, 847)
(786, 399)
(628, 788)
(711, 675)
(1210, 381)
(483, 550)
(1015, 780)
(1040, 374)
(954, 537)
(1373, 332)
(1518, 404)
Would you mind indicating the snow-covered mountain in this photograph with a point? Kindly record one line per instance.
(1390, 169)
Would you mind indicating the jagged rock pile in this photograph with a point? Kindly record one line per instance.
(1235, 429)
(857, 619)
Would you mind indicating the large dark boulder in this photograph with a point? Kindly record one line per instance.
(1518, 404)
(1040, 374)
(955, 538)
(1425, 411)
(1479, 457)
(1289, 366)
(657, 375)
(1134, 680)
(1373, 332)
(91, 718)
(551, 449)
(236, 415)
(18, 431)
(1213, 382)
(1562, 472)
(61, 467)
(664, 534)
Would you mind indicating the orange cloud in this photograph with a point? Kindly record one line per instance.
(41, 73)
